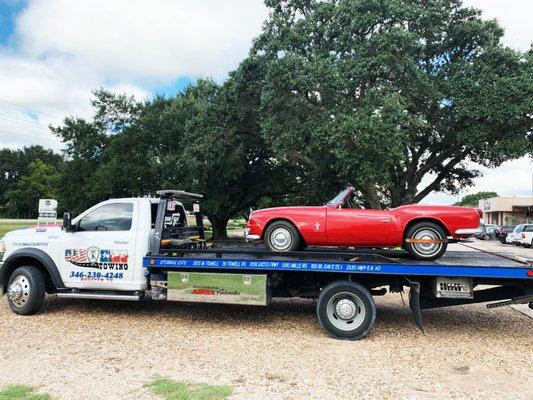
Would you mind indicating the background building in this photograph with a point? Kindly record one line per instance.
(507, 210)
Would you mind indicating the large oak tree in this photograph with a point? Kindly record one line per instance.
(381, 94)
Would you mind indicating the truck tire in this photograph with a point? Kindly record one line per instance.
(426, 251)
(346, 310)
(25, 290)
(282, 236)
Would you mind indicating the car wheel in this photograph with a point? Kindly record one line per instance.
(282, 236)
(528, 245)
(25, 290)
(346, 310)
(432, 241)
(486, 237)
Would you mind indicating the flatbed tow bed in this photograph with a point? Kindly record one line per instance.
(452, 280)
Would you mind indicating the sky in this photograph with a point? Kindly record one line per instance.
(53, 53)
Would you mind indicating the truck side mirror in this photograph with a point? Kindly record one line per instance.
(67, 222)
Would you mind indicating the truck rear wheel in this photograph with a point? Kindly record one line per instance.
(346, 310)
(25, 290)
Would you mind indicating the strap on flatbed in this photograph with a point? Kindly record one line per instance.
(425, 241)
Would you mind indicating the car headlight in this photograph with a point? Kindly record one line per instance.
(2, 249)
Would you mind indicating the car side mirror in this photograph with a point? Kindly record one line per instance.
(67, 222)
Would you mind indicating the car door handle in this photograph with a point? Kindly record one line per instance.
(121, 241)
(385, 220)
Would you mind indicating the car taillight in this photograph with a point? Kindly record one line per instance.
(523, 235)
(530, 272)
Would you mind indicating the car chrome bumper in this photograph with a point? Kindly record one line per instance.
(250, 238)
(469, 231)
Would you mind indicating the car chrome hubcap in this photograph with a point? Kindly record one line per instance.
(281, 238)
(346, 311)
(427, 248)
(19, 291)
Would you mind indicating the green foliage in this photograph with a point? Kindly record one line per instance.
(20, 392)
(472, 200)
(380, 94)
(15, 164)
(179, 390)
(40, 182)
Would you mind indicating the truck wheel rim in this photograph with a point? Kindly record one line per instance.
(427, 249)
(19, 291)
(280, 239)
(346, 311)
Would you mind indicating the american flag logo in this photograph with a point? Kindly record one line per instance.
(76, 255)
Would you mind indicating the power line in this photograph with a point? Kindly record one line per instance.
(27, 108)
(21, 121)
(30, 136)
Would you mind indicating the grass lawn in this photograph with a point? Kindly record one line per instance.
(180, 390)
(21, 393)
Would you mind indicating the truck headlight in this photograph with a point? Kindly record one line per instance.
(2, 249)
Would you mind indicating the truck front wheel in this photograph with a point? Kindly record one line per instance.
(346, 310)
(25, 290)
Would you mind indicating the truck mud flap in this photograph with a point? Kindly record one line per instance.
(414, 303)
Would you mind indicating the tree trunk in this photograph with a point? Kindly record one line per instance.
(220, 227)
(371, 195)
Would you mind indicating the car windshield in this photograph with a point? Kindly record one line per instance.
(338, 198)
(519, 228)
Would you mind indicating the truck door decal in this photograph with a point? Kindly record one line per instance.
(103, 259)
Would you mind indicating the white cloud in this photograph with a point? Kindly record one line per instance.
(63, 49)
(128, 39)
(512, 178)
(515, 16)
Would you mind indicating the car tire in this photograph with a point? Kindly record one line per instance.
(352, 299)
(26, 290)
(486, 237)
(528, 245)
(426, 251)
(282, 236)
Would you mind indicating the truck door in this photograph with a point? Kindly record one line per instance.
(100, 253)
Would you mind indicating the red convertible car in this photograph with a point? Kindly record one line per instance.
(424, 231)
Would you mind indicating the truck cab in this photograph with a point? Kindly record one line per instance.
(99, 251)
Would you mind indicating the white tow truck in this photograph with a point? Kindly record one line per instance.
(132, 248)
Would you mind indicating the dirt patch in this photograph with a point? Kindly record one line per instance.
(108, 350)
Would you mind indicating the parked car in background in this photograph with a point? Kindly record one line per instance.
(492, 229)
(526, 237)
(503, 231)
(483, 234)
(423, 230)
(512, 238)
